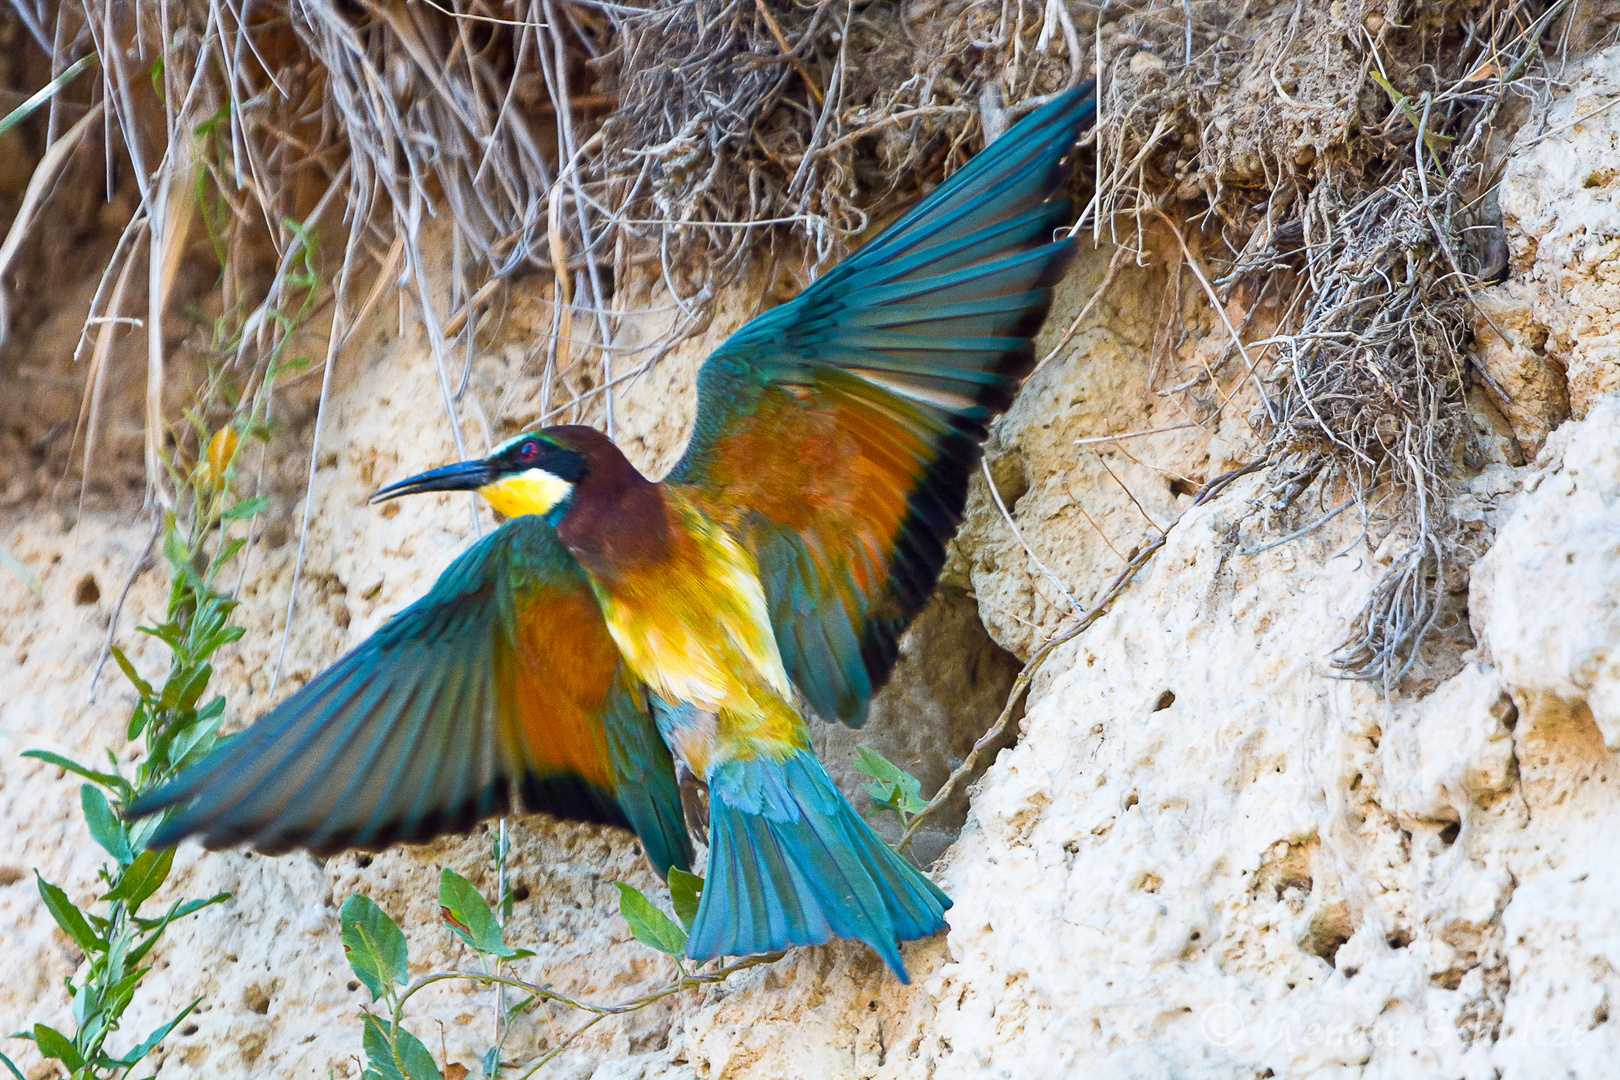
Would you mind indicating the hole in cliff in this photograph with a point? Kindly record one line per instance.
(362, 860)
(257, 999)
(1011, 477)
(520, 891)
(1131, 800)
(1286, 870)
(1449, 979)
(353, 986)
(948, 689)
(87, 591)
(1448, 835)
(1329, 930)
(1166, 699)
(1182, 486)
(1399, 939)
(189, 1029)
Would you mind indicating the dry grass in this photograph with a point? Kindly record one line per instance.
(583, 140)
(1336, 157)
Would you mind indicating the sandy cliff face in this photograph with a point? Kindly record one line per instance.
(1204, 857)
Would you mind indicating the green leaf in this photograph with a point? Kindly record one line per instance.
(893, 788)
(418, 1061)
(911, 801)
(467, 913)
(374, 944)
(45, 93)
(19, 571)
(111, 780)
(143, 878)
(875, 765)
(195, 686)
(649, 925)
(68, 917)
(193, 741)
(206, 128)
(685, 890)
(12, 1066)
(246, 508)
(130, 673)
(175, 913)
(54, 1044)
(176, 555)
(147, 1045)
(515, 1011)
(416, 1058)
(185, 687)
(105, 827)
(379, 1054)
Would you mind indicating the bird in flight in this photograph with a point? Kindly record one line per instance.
(616, 626)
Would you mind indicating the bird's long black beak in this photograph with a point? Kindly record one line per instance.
(462, 476)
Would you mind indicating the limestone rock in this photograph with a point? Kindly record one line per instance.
(1559, 196)
(1204, 856)
(1562, 539)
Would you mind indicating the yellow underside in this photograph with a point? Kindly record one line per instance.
(696, 629)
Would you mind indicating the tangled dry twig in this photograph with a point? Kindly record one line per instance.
(1323, 164)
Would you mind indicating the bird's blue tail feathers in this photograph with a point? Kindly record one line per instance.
(791, 863)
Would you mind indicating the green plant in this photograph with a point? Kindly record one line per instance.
(177, 727)
(378, 954)
(45, 93)
(892, 788)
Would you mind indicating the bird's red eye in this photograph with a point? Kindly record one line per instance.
(529, 451)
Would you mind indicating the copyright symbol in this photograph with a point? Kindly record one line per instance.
(1221, 1024)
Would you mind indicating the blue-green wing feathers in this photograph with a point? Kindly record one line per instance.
(839, 430)
(501, 679)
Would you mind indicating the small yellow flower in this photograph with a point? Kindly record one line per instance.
(221, 452)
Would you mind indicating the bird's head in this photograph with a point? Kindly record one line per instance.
(533, 473)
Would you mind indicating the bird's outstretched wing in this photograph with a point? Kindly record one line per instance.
(835, 434)
(502, 677)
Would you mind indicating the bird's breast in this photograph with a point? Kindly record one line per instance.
(694, 625)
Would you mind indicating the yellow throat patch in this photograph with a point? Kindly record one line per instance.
(534, 491)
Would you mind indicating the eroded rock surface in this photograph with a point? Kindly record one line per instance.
(1204, 857)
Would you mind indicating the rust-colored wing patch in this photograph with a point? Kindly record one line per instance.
(836, 434)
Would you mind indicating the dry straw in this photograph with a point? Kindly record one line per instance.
(1318, 163)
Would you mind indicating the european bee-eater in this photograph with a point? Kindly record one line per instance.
(614, 620)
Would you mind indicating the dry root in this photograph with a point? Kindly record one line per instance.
(1326, 158)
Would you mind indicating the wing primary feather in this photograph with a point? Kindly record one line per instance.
(240, 810)
(426, 775)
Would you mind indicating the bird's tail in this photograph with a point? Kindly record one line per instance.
(791, 863)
